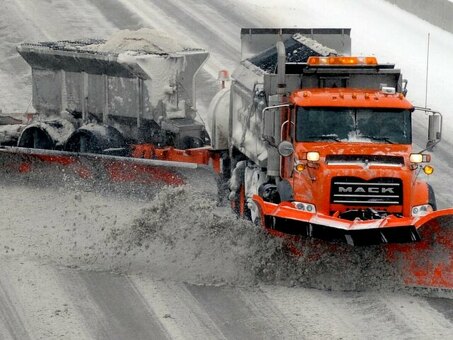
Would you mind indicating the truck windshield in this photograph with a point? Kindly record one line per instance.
(354, 125)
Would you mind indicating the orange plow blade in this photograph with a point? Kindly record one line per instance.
(418, 249)
(429, 262)
(125, 175)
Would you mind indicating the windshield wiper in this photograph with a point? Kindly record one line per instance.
(384, 139)
(326, 137)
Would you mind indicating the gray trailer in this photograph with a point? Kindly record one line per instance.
(98, 95)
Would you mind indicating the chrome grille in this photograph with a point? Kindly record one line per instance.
(365, 159)
(356, 191)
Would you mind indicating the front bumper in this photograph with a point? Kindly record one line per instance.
(392, 229)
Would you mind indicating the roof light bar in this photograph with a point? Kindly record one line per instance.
(341, 61)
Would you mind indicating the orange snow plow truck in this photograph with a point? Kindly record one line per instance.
(313, 142)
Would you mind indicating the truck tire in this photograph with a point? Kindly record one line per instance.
(237, 191)
(36, 138)
(94, 138)
(50, 134)
(239, 204)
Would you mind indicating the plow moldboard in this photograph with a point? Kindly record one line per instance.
(127, 176)
(428, 263)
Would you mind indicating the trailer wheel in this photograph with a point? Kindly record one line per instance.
(37, 138)
(93, 138)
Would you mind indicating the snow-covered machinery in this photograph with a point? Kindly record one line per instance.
(103, 96)
(102, 103)
(314, 142)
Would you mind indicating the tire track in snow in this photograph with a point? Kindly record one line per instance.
(128, 314)
(34, 298)
(112, 306)
(233, 14)
(11, 321)
(15, 91)
(181, 314)
(443, 306)
(317, 314)
(118, 15)
(242, 314)
(65, 19)
(366, 315)
(417, 317)
(207, 24)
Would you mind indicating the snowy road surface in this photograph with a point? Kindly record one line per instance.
(74, 264)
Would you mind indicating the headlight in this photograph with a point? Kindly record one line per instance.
(313, 156)
(419, 158)
(416, 158)
(421, 210)
(308, 207)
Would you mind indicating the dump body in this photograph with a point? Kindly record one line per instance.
(254, 84)
(140, 83)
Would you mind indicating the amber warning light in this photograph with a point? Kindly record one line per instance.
(341, 61)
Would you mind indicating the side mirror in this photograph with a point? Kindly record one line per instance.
(404, 87)
(285, 148)
(434, 127)
(270, 130)
(434, 130)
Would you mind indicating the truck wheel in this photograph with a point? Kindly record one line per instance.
(37, 138)
(96, 138)
(239, 204)
(237, 191)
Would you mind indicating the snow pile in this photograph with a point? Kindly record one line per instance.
(10, 133)
(58, 128)
(332, 266)
(144, 40)
(163, 75)
(182, 235)
(314, 45)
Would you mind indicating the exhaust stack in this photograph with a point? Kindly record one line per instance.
(281, 71)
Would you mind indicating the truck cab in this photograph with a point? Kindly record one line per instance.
(346, 152)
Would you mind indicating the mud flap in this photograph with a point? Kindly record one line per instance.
(429, 262)
(124, 175)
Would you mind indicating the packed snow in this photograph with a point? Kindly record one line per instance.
(144, 40)
(180, 235)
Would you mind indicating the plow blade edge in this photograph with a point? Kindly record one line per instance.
(126, 175)
(429, 262)
(419, 249)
